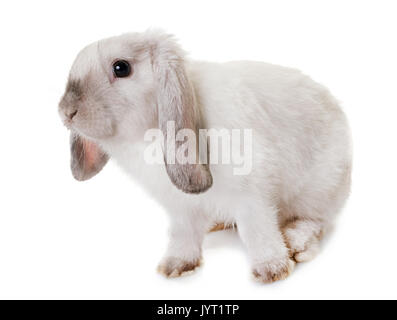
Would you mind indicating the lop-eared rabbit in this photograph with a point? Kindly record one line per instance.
(300, 159)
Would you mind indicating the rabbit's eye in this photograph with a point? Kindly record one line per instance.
(121, 69)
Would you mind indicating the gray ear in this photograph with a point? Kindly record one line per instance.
(87, 159)
(176, 102)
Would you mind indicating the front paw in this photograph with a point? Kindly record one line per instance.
(172, 267)
(274, 270)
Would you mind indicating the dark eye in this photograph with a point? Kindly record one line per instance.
(121, 69)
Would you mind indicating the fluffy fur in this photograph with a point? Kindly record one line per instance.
(301, 159)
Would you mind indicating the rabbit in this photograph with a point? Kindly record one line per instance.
(121, 87)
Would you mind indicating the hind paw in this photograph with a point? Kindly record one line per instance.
(303, 239)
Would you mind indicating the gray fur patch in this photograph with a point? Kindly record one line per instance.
(75, 88)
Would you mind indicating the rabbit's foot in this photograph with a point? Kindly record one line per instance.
(172, 267)
(223, 226)
(268, 272)
(302, 238)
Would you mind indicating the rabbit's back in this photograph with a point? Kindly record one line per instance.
(301, 139)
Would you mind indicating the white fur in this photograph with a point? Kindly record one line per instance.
(301, 157)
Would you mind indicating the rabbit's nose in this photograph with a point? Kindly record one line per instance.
(71, 114)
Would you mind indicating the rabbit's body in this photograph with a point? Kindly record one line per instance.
(300, 175)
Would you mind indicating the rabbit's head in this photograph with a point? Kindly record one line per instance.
(122, 86)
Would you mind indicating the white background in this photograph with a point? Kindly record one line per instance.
(60, 238)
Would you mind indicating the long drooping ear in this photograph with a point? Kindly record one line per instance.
(176, 103)
(87, 159)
